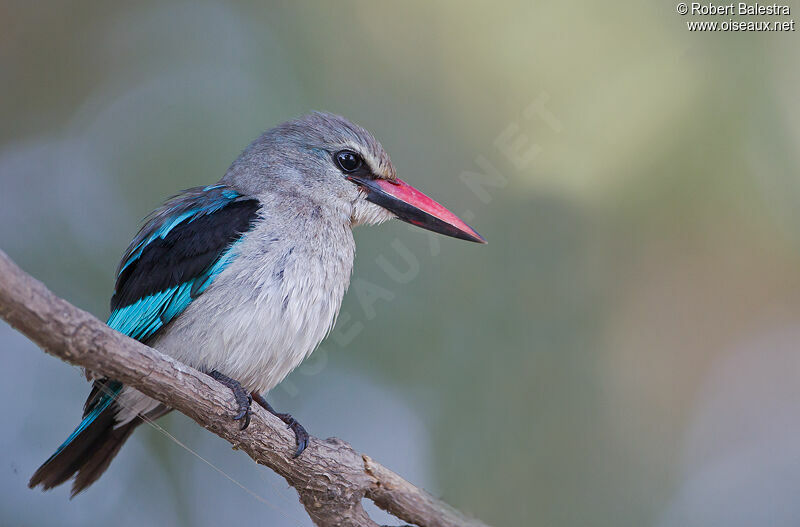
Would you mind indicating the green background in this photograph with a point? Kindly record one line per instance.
(622, 353)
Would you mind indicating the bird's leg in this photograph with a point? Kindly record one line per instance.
(243, 399)
(300, 434)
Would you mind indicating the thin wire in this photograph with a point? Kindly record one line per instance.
(233, 480)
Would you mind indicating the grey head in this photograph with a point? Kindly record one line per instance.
(325, 161)
(297, 159)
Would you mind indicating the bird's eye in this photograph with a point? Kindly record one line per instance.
(347, 160)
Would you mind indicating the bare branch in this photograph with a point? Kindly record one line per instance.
(331, 478)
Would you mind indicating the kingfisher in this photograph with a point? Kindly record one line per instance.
(243, 279)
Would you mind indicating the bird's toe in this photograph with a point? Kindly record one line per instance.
(243, 399)
(300, 437)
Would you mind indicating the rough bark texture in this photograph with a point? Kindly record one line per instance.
(331, 478)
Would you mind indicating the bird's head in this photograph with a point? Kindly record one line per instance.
(333, 163)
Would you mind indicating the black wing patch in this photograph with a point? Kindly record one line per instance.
(184, 253)
(178, 253)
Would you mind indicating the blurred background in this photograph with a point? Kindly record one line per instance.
(624, 352)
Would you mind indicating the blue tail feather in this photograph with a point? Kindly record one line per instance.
(105, 399)
(90, 448)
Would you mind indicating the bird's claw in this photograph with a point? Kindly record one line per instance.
(300, 434)
(243, 399)
(244, 413)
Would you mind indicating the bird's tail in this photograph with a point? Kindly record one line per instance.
(91, 447)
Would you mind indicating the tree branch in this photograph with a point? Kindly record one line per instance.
(331, 478)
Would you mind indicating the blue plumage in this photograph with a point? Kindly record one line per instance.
(97, 408)
(211, 199)
(173, 259)
(142, 319)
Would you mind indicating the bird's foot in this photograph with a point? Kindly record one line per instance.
(243, 399)
(300, 434)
